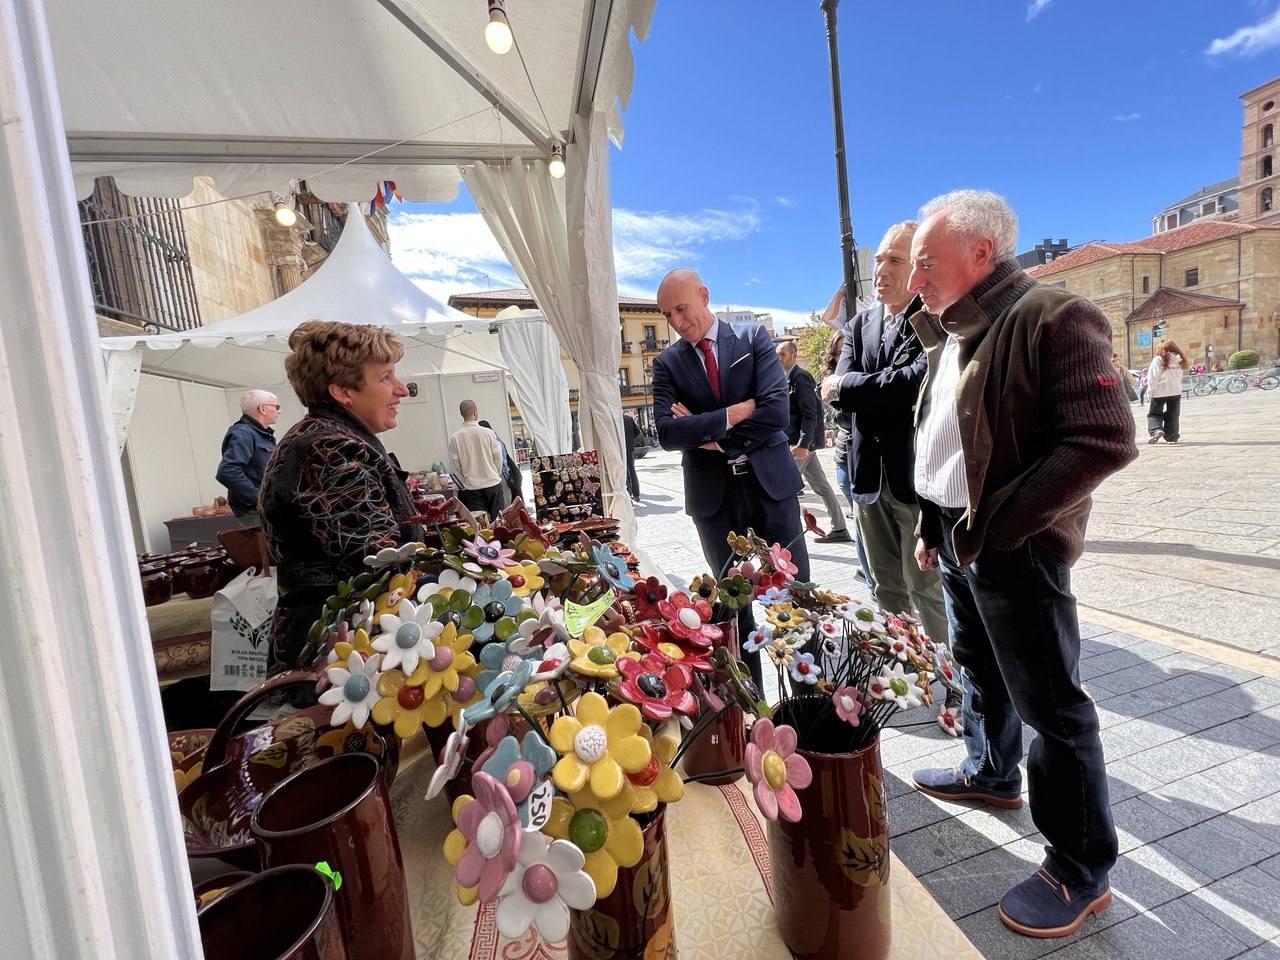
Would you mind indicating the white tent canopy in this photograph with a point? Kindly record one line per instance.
(532, 352)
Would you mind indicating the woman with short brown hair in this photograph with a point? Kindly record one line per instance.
(331, 493)
(1164, 387)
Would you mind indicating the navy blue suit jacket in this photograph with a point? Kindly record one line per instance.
(749, 370)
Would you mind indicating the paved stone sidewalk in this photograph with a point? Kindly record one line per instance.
(1188, 540)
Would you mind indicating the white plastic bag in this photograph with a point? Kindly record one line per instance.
(242, 612)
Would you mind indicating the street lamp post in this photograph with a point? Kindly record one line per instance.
(850, 262)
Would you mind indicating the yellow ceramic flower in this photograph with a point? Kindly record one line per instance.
(594, 655)
(454, 845)
(602, 830)
(399, 587)
(358, 641)
(444, 669)
(404, 705)
(657, 782)
(598, 746)
(525, 578)
(784, 616)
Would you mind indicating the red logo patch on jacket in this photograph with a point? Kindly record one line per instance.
(1108, 380)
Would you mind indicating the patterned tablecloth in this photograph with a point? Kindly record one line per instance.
(180, 636)
(719, 877)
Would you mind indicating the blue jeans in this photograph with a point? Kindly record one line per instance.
(1015, 634)
(846, 487)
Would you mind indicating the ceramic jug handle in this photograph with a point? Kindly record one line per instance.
(215, 753)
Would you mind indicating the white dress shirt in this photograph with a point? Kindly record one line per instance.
(939, 474)
(475, 457)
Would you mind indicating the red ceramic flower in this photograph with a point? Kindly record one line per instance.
(811, 524)
(657, 686)
(646, 595)
(780, 560)
(770, 581)
(672, 649)
(687, 619)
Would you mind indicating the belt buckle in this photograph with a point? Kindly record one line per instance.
(739, 468)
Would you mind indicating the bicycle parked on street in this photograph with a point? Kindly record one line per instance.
(1235, 383)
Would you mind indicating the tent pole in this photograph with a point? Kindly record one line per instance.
(847, 252)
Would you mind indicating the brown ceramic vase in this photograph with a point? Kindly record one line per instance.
(723, 746)
(637, 920)
(338, 811)
(282, 914)
(831, 870)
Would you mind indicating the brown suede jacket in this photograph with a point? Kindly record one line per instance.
(1043, 417)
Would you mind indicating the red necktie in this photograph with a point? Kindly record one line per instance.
(713, 371)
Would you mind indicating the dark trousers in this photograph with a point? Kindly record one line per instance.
(633, 481)
(1163, 414)
(776, 521)
(1015, 633)
(492, 500)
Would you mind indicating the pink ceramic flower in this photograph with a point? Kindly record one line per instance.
(657, 687)
(780, 560)
(489, 553)
(850, 705)
(950, 722)
(776, 770)
(491, 827)
(687, 619)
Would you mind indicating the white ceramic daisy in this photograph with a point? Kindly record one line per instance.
(554, 662)
(363, 616)
(455, 749)
(547, 881)
(407, 636)
(449, 581)
(894, 684)
(354, 690)
(388, 556)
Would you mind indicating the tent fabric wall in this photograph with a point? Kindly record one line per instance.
(123, 369)
(532, 354)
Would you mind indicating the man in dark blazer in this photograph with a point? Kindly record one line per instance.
(806, 432)
(720, 397)
(876, 383)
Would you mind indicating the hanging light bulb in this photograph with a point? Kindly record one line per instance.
(555, 166)
(497, 34)
(285, 215)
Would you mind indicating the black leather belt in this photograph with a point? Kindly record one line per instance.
(739, 468)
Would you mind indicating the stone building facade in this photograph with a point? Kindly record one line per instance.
(1259, 158)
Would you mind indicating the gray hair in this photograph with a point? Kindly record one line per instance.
(978, 214)
(904, 226)
(251, 400)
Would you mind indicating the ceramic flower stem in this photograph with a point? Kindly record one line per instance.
(716, 774)
(533, 724)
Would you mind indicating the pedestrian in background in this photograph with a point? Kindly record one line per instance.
(631, 429)
(246, 448)
(511, 474)
(841, 445)
(476, 460)
(1164, 377)
(1126, 378)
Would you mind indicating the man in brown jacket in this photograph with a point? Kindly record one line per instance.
(1020, 417)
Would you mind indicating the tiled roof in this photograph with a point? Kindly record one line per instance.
(521, 297)
(1172, 302)
(1180, 238)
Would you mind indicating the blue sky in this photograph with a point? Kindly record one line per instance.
(1089, 115)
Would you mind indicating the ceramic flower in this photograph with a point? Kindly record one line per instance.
(613, 569)
(407, 636)
(500, 692)
(811, 524)
(553, 662)
(491, 828)
(894, 684)
(449, 663)
(448, 581)
(758, 638)
(646, 595)
(850, 704)
(449, 761)
(780, 560)
(673, 649)
(704, 587)
(775, 595)
(865, 619)
(740, 545)
(736, 592)
(344, 641)
(525, 577)
(780, 652)
(776, 771)
(900, 649)
(598, 746)
(950, 722)
(550, 614)
(803, 669)
(601, 829)
(389, 556)
(496, 602)
(455, 845)
(689, 619)
(784, 616)
(548, 881)
(597, 655)
(398, 587)
(353, 693)
(520, 768)
(830, 628)
(656, 687)
(496, 658)
(488, 553)
(657, 782)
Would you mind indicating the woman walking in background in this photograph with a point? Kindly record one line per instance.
(1164, 378)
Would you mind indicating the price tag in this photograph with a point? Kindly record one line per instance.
(540, 804)
(577, 617)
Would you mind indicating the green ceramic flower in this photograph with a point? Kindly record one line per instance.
(735, 592)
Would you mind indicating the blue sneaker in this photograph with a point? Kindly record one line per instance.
(949, 783)
(1043, 906)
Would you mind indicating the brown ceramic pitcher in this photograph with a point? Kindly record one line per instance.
(723, 746)
(338, 811)
(282, 914)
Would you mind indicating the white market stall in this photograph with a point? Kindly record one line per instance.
(188, 385)
(255, 95)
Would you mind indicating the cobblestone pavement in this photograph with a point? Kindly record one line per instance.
(1180, 594)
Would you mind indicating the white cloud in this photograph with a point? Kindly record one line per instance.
(1126, 117)
(751, 281)
(784, 201)
(1035, 8)
(1252, 40)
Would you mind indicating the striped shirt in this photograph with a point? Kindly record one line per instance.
(939, 474)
